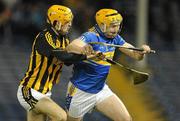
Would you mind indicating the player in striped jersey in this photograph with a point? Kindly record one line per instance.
(47, 58)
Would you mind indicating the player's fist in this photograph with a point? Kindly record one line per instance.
(146, 49)
(87, 50)
(100, 55)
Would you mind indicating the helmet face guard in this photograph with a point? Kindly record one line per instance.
(106, 17)
(59, 13)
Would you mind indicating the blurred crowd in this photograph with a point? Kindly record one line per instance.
(164, 22)
(23, 19)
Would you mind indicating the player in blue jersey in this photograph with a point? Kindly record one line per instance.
(87, 88)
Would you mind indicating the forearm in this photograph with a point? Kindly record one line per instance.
(137, 55)
(76, 46)
(68, 57)
(132, 53)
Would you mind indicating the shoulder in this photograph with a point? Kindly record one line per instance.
(119, 40)
(43, 34)
(118, 37)
(89, 36)
(45, 37)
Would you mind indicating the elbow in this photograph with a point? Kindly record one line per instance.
(140, 57)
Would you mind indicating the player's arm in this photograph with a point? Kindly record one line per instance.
(80, 47)
(45, 48)
(135, 54)
(68, 57)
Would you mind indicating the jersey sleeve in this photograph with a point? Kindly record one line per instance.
(88, 37)
(46, 48)
(119, 40)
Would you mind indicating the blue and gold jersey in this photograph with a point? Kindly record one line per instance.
(90, 75)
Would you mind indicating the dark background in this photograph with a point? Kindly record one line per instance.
(21, 20)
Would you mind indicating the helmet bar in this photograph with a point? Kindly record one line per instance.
(113, 14)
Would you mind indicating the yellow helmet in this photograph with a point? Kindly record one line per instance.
(108, 16)
(59, 13)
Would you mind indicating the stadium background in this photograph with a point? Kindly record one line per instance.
(157, 99)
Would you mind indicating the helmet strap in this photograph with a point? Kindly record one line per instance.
(54, 24)
(103, 28)
(120, 28)
(57, 25)
(48, 20)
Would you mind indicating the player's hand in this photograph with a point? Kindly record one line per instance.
(87, 50)
(100, 55)
(96, 56)
(146, 49)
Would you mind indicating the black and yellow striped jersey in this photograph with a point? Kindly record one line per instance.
(44, 68)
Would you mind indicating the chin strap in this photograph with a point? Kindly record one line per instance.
(52, 26)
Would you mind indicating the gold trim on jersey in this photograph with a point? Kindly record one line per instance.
(26, 92)
(72, 90)
(43, 72)
(100, 61)
(52, 81)
(30, 68)
(47, 82)
(49, 39)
